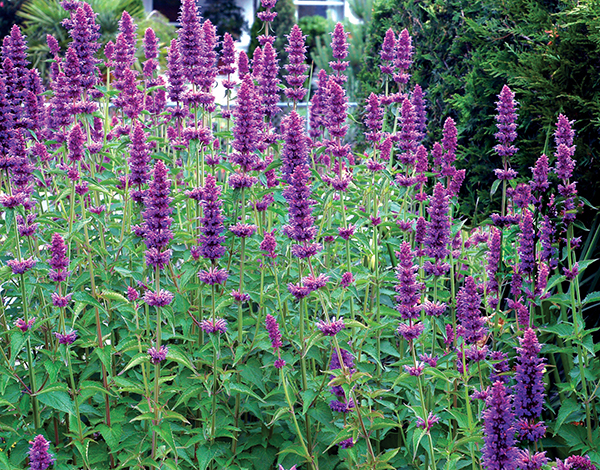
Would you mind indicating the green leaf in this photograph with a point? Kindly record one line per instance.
(111, 435)
(568, 407)
(137, 359)
(58, 400)
(177, 356)
(241, 388)
(495, 186)
(592, 297)
(113, 296)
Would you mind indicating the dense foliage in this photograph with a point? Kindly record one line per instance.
(547, 52)
(186, 285)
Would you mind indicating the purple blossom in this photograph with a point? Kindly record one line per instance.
(157, 220)
(243, 64)
(434, 309)
(373, 118)
(407, 137)
(428, 423)
(410, 332)
(218, 326)
(540, 172)
(339, 47)
(527, 244)
(314, 283)
(61, 301)
(336, 106)
(190, 39)
(273, 329)
(296, 67)
(529, 429)
(499, 452)
(387, 53)
(438, 228)
(572, 273)
(526, 460)
(213, 276)
(269, 244)
(160, 298)
(23, 325)
(139, 158)
(211, 224)
(295, 148)
(347, 280)
(39, 457)
(403, 57)
(449, 335)
(579, 462)
(420, 112)
(318, 106)
(331, 327)
(298, 291)
(429, 359)
(346, 233)
(268, 81)
(450, 144)
(227, 62)
(175, 73)
(408, 289)
(529, 392)
(156, 357)
(565, 149)
(468, 312)
(247, 124)
(58, 259)
(68, 338)
(506, 118)
(21, 267)
(346, 443)
(243, 230)
(240, 296)
(132, 294)
(415, 371)
(297, 195)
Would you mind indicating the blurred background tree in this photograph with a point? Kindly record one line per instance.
(227, 16)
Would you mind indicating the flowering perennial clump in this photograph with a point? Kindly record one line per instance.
(175, 223)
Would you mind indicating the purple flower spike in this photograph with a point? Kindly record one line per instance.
(347, 280)
(506, 118)
(564, 148)
(295, 149)
(58, 260)
(415, 371)
(132, 294)
(175, 73)
(157, 220)
(527, 244)
(273, 329)
(387, 53)
(529, 394)
(212, 223)
(437, 234)
(156, 357)
(268, 81)
(468, 312)
(24, 326)
(499, 452)
(218, 326)
(296, 67)
(139, 157)
(339, 46)
(39, 457)
(408, 289)
(190, 39)
(420, 110)
(540, 172)
(269, 245)
(161, 298)
(68, 338)
(332, 327)
(403, 57)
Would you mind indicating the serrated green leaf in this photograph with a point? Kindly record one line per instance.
(241, 388)
(58, 400)
(113, 296)
(112, 435)
(175, 355)
(137, 359)
(567, 408)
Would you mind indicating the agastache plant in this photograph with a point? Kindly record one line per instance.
(304, 300)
